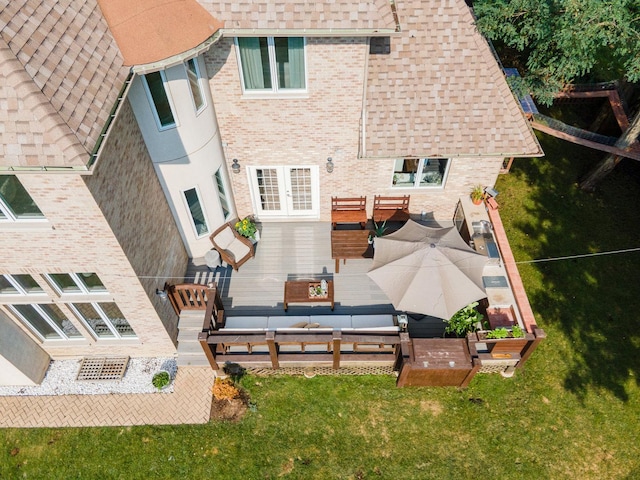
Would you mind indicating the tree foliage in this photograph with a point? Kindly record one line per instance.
(564, 41)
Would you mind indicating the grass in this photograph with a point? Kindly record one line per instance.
(572, 412)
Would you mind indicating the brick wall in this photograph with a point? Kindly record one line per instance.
(127, 189)
(326, 123)
(78, 238)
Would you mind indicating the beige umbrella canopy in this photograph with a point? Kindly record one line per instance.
(426, 270)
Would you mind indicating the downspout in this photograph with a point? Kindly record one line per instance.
(363, 124)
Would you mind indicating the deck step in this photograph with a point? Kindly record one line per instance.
(192, 360)
(189, 347)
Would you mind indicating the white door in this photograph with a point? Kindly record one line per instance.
(284, 192)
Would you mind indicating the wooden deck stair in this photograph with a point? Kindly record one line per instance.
(189, 350)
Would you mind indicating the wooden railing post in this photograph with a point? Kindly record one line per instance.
(337, 340)
(273, 349)
(404, 359)
(208, 351)
(539, 335)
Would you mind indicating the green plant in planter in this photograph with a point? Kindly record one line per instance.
(464, 321)
(380, 229)
(161, 380)
(498, 333)
(477, 193)
(517, 332)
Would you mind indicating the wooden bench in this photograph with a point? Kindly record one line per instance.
(348, 210)
(391, 208)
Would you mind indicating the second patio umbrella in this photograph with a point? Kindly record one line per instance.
(426, 270)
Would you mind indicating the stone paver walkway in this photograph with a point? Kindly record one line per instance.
(190, 402)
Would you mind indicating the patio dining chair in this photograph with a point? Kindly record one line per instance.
(233, 247)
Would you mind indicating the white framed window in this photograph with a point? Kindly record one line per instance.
(158, 94)
(420, 172)
(19, 284)
(76, 283)
(222, 193)
(15, 202)
(196, 211)
(272, 64)
(47, 321)
(104, 319)
(193, 75)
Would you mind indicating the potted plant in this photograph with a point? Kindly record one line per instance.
(378, 231)
(161, 379)
(247, 228)
(477, 194)
(465, 320)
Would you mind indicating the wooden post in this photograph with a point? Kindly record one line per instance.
(337, 340)
(476, 364)
(405, 359)
(531, 346)
(208, 351)
(273, 349)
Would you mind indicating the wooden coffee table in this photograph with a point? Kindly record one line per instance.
(297, 291)
(350, 244)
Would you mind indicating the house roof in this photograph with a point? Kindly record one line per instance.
(148, 31)
(439, 92)
(340, 15)
(60, 76)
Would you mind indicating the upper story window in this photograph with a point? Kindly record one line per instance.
(193, 74)
(155, 85)
(19, 284)
(15, 202)
(272, 64)
(420, 172)
(76, 283)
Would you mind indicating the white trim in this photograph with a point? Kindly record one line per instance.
(152, 103)
(283, 177)
(199, 83)
(83, 289)
(274, 91)
(416, 182)
(204, 212)
(48, 320)
(225, 187)
(20, 289)
(105, 319)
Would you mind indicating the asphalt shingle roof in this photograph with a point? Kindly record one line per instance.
(300, 14)
(440, 92)
(60, 75)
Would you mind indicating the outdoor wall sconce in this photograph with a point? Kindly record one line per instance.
(161, 293)
(329, 165)
(236, 166)
(403, 321)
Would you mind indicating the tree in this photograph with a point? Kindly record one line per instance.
(565, 40)
(605, 167)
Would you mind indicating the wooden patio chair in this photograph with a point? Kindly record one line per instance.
(233, 247)
(391, 208)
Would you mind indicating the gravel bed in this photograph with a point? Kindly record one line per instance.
(61, 379)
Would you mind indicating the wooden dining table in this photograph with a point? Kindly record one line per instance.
(347, 244)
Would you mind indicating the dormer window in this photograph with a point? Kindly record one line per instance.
(272, 64)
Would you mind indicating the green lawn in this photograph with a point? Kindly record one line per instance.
(572, 412)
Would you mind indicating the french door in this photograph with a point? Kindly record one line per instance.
(285, 191)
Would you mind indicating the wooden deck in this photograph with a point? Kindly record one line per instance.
(299, 250)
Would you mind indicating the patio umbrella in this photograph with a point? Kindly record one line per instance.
(426, 270)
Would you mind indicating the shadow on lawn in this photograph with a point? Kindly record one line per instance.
(594, 300)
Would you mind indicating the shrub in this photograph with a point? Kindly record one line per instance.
(464, 321)
(161, 379)
(224, 389)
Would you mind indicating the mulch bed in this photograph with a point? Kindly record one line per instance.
(230, 410)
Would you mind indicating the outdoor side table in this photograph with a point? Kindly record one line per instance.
(212, 259)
